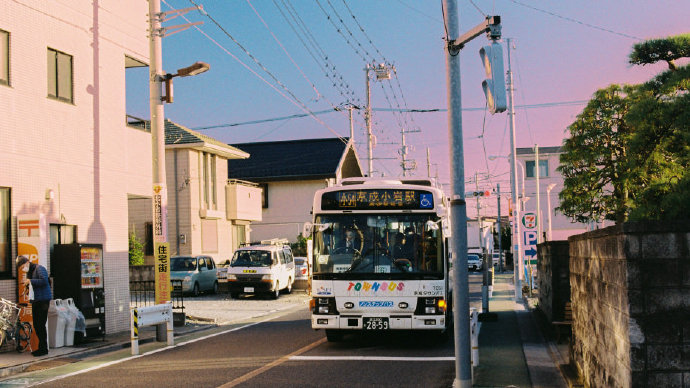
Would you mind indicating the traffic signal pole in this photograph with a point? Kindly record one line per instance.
(461, 300)
(458, 206)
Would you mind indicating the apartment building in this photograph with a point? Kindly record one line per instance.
(67, 158)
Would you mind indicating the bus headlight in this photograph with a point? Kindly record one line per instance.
(323, 306)
(268, 278)
(231, 277)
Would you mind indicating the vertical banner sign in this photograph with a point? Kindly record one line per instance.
(530, 234)
(162, 272)
(160, 208)
(31, 242)
(161, 249)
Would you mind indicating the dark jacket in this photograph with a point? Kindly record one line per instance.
(40, 282)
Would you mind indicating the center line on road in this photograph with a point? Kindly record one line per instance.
(368, 358)
(273, 364)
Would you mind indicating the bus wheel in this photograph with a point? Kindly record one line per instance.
(334, 335)
(276, 292)
(289, 287)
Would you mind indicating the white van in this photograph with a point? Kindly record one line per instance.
(266, 268)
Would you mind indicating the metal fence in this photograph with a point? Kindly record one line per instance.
(143, 293)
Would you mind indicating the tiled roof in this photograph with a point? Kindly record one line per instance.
(176, 134)
(287, 160)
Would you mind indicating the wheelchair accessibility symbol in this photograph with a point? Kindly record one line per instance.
(426, 201)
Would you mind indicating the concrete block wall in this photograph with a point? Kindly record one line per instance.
(630, 287)
(553, 278)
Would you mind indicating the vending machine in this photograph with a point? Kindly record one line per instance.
(77, 271)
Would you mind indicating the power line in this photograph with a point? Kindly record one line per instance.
(576, 21)
(250, 55)
(433, 110)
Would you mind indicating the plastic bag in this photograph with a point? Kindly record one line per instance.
(80, 325)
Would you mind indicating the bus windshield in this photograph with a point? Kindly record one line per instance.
(378, 246)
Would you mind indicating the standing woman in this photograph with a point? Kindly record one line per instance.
(38, 276)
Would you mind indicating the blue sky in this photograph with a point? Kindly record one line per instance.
(564, 51)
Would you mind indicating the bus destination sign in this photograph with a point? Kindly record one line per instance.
(377, 199)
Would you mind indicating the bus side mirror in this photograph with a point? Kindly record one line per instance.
(307, 228)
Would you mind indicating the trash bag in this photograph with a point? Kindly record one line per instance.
(80, 326)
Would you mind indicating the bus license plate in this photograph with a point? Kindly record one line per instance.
(249, 289)
(375, 323)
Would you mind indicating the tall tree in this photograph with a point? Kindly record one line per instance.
(629, 150)
(594, 161)
(661, 145)
(668, 49)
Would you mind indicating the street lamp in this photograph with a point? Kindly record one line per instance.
(197, 68)
(548, 205)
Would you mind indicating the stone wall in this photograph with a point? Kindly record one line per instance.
(630, 290)
(553, 278)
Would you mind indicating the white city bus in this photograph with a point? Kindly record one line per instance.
(380, 257)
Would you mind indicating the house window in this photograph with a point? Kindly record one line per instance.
(214, 197)
(264, 195)
(60, 76)
(5, 233)
(4, 57)
(543, 168)
(208, 170)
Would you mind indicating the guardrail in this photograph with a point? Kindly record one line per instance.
(150, 316)
(142, 293)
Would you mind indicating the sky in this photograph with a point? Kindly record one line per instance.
(280, 58)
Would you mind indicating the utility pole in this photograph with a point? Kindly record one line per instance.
(403, 153)
(156, 77)
(500, 248)
(349, 107)
(536, 175)
(428, 163)
(159, 198)
(367, 119)
(485, 266)
(407, 165)
(517, 236)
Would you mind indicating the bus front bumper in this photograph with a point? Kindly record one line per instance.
(414, 322)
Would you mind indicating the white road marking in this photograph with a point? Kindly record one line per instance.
(368, 358)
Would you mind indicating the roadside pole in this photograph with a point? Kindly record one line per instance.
(500, 248)
(160, 195)
(517, 245)
(461, 302)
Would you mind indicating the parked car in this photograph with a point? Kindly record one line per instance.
(198, 273)
(474, 262)
(301, 268)
(263, 268)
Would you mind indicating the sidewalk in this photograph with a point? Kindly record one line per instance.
(512, 349)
